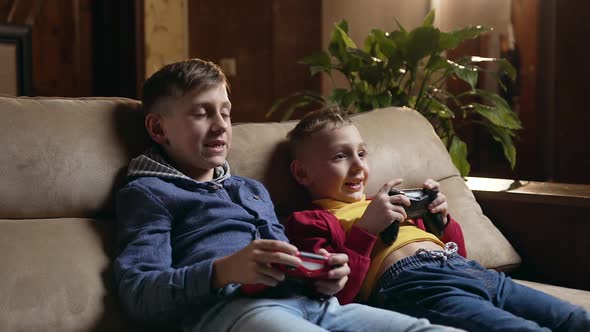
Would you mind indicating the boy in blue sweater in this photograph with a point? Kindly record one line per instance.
(191, 234)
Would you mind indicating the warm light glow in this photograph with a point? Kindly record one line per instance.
(491, 184)
(481, 59)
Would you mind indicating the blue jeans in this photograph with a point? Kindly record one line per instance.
(462, 293)
(301, 313)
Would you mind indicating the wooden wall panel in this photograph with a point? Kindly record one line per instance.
(240, 30)
(62, 49)
(571, 114)
(296, 33)
(525, 18)
(61, 43)
(266, 38)
(5, 6)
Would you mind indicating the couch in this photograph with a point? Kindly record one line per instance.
(64, 158)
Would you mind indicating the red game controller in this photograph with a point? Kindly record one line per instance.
(313, 266)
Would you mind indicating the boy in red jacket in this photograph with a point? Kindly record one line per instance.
(418, 274)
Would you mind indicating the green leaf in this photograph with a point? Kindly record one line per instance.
(422, 42)
(340, 41)
(439, 109)
(412, 102)
(317, 59)
(507, 67)
(384, 99)
(467, 73)
(399, 38)
(504, 136)
(437, 62)
(498, 115)
(317, 62)
(447, 41)
(343, 25)
(458, 152)
(496, 99)
(370, 44)
(428, 19)
(469, 32)
(302, 98)
(338, 95)
(291, 109)
(509, 119)
(373, 74)
(345, 38)
(360, 54)
(504, 64)
(383, 44)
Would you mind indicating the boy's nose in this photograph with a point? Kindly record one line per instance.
(219, 122)
(358, 164)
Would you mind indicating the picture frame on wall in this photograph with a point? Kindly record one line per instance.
(15, 60)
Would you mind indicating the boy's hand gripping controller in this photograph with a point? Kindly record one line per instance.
(313, 266)
(418, 209)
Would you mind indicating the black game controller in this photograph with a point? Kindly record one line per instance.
(419, 199)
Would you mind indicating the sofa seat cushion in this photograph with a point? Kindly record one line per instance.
(56, 276)
(575, 296)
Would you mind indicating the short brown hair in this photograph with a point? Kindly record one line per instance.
(176, 79)
(313, 122)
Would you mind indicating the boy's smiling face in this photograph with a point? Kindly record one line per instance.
(333, 164)
(195, 130)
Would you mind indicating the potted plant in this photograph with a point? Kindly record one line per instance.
(409, 68)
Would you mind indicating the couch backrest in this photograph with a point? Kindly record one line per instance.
(66, 157)
(63, 159)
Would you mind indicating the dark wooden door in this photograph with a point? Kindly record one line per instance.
(264, 39)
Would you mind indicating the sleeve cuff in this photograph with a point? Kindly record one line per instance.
(360, 241)
(198, 281)
(449, 219)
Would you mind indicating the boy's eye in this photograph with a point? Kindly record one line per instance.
(362, 154)
(199, 112)
(340, 156)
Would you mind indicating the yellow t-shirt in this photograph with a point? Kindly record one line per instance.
(350, 213)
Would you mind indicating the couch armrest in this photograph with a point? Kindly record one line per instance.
(547, 223)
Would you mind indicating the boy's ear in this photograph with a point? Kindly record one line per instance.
(300, 173)
(153, 124)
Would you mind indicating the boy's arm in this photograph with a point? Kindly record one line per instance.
(312, 230)
(149, 286)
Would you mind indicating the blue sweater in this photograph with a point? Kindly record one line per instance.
(172, 229)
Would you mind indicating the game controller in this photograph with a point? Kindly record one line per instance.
(418, 209)
(313, 266)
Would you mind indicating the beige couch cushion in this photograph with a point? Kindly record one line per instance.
(56, 276)
(575, 296)
(65, 157)
(402, 143)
